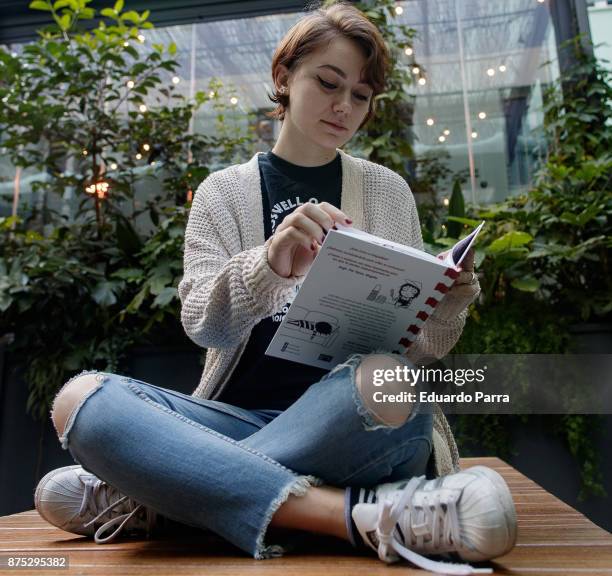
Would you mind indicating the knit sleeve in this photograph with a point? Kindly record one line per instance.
(225, 292)
(443, 328)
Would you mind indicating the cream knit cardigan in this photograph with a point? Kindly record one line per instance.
(228, 285)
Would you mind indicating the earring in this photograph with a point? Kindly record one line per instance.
(283, 90)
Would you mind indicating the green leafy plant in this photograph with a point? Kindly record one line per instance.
(89, 103)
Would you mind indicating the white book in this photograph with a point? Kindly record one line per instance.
(364, 293)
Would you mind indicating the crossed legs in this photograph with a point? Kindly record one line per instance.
(319, 509)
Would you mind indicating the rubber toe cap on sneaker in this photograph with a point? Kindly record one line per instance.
(58, 500)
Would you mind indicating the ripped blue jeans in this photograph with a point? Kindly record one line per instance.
(215, 466)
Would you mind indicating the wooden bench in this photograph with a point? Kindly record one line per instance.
(552, 538)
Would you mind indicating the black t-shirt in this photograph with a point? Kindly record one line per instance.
(266, 382)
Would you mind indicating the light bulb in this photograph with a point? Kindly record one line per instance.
(441, 138)
(416, 70)
(84, 152)
(474, 134)
(138, 156)
(113, 166)
(430, 121)
(130, 84)
(445, 201)
(234, 100)
(146, 147)
(491, 72)
(211, 94)
(141, 38)
(142, 108)
(175, 79)
(502, 68)
(126, 43)
(422, 81)
(446, 132)
(399, 10)
(482, 115)
(409, 51)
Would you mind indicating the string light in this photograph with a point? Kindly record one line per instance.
(141, 38)
(422, 81)
(142, 108)
(441, 138)
(211, 94)
(409, 51)
(234, 100)
(502, 68)
(126, 43)
(138, 156)
(482, 115)
(445, 201)
(84, 152)
(491, 72)
(399, 10)
(146, 147)
(474, 134)
(99, 189)
(113, 166)
(130, 84)
(430, 122)
(416, 70)
(175, 79)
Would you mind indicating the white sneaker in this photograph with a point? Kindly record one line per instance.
(76, 501)
(470, 513)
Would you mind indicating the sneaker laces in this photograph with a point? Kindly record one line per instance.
(437, 519)
(98, 494)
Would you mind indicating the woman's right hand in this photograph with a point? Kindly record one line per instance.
(295, 243)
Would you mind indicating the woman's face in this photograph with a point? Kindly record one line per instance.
(328, 100)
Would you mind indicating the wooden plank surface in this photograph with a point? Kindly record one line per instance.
(553, 538)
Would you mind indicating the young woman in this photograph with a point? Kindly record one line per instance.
(265, 445)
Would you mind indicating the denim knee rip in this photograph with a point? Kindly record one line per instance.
(370, 421)
(101, 378)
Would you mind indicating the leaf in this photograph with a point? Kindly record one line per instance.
(136, 302)
(104, 293)
(160, 280)
(64, 22)
(40, 5)
(172, 48)
(509, 241)
(118, 6)
(468, 221)
(128, 274)
(526, 284)
(165, 297)
(131, 15)
(60, 4)
(108, 12)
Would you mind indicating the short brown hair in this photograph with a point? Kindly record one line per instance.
(318, 28)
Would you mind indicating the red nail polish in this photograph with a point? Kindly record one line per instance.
(349, 221)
